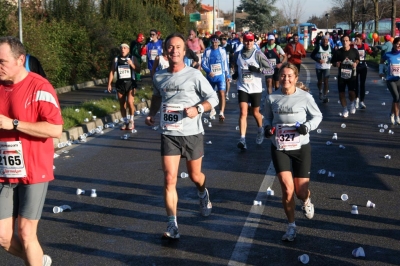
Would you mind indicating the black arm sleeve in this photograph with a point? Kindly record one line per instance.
(35, 66)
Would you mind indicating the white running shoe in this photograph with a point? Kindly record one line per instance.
(260, 137)
(290, 234)
(398, 120)
(213, 112)
(172, 231)
(205, 205)
(345, 112)
(353, 108)
(362, 105)
(392, 119)
(308, 210)
(357, 103)
(47, 260)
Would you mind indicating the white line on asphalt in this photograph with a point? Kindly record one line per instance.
(245, 240)
(308, 80)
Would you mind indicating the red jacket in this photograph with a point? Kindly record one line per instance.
(295, 54)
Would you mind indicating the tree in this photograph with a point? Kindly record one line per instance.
(260, 14)
(393, 31)
(292, 9)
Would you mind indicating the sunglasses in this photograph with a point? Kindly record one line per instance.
(152, 34)
(224, 39)
(214, 40)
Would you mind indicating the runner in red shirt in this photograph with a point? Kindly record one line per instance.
(30, 117)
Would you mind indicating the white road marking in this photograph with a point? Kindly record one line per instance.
(245, 240)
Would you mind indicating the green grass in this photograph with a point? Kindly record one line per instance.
(75, 115)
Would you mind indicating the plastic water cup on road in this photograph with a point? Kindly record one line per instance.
(156, 127)
(257, 202)
(233, 95)
(387, 156)
(334, 137)
(93, 194)
(117, 121)
(385, 126)
(383, 103)
(58, 209)
(209, 142)
(344, 197)
(125, 136)
(354, 209)
(205, 120)
(343, 125)
(381, 130)
(358, 252)
(390, 132)
(86, 120)
(319, 131)
(109, 125)
(137, 112)
(209, 124)
(380, 125)
(330, 174)
(237, 128)
(270, 192)
(321, 171)
(133, 131)
(338, 102)
(366, 92)
(304, 258)
(370, 204)
(335, 78)
(328, 143)
(184, 175)
(340, 114)
(80, 191)
(342, 147)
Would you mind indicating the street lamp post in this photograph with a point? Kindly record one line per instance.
(20, 20)
(183, 4)
(327, 17)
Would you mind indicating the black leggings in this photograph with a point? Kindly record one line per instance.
(360, 90)
(394, 88)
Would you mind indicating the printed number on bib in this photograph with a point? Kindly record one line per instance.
(11, 160)
(153, 54)
(124, 71)
(273, 61)
(216, 69)
(325, 57)
(247, 76)
(395, 70)
(171, 117)
(345, 73)
(287, 138)
(362, 54)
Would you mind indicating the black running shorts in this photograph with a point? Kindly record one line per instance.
(299, 160)
(189, 147)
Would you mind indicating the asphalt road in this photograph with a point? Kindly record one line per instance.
(124, 223)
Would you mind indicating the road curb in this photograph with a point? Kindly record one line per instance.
(75, 132)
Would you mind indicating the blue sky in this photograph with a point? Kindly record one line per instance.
(312, 7)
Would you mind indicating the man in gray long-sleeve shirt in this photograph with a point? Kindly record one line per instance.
(251, 66)
(183, 94)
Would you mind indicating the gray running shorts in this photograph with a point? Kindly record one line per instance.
(25, 200)
(189, 147)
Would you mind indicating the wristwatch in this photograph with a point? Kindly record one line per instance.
(200, 108)
(15, 123)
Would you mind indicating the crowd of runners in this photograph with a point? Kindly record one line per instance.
(191, 76)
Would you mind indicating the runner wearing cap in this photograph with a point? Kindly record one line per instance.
(137, 48)
(215, 64)
(277, 57)
(251, 66)
(154, 48)
(322, 55)
(295, 51)
(125, 65)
